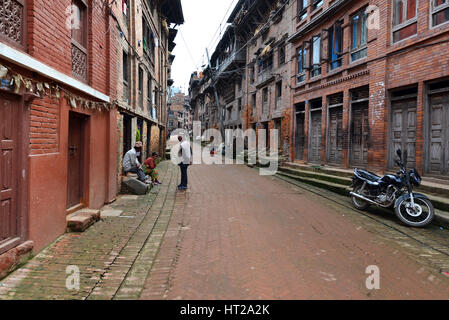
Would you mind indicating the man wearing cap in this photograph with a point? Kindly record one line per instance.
(131, 162)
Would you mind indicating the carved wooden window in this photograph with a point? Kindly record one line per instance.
(13, 22)
(79, 40)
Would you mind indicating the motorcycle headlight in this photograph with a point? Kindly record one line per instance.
(415, 177)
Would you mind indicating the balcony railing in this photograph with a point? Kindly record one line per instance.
(236, 57)
(264, 76)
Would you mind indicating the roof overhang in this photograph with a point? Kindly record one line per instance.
(172, 9)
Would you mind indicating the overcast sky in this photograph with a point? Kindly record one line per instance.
(202, 20)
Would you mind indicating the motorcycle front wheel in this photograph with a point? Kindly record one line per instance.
(419, 216)
(357, 202)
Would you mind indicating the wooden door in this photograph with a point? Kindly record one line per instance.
(75, 173)
(335, 135)
(403, 131)
(9, 172)
(359, 134)
(315, 137)
(438, 159)
(299, 136)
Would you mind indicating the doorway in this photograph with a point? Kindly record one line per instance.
(437, 160)
(359, 127)
(315, 132)
(299, 131)
(11, 162)
(75, 172)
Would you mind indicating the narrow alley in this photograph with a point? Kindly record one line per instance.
(237, 235)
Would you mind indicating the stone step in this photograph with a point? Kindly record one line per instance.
(332, 186)
(343, 180)
(437, 187)
(441, 204)
(82, 219)
(322, 169)
(341, 185)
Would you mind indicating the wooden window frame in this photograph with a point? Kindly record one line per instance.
(316, 4)
(301, 76)
(361, 14)
(405, 23)
(82, 47)
(301, 9)
(281, 54)
(315, 67)
(434, 10)
(332, 42)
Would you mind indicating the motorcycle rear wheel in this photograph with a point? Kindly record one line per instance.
(415, 219)
(357, 202)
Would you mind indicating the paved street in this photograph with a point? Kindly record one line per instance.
(237, 235)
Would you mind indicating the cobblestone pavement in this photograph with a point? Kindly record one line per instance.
(237, 235)
(114, 256)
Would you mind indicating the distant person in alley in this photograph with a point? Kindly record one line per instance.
(185, 153)
(131, 162)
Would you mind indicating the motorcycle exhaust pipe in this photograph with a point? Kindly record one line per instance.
(363, 198)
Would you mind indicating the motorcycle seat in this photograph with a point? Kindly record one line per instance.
(369, 177)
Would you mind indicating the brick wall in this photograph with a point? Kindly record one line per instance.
(44, 126)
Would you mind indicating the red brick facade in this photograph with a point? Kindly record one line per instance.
(45, 58)
(389, 66)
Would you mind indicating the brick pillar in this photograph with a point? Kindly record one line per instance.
(346, 126)
(323, 130)
(378, 118)
(306, 131)
(420, 127)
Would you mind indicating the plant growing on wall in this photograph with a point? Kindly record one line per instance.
(137, 135)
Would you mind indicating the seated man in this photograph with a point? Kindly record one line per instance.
(150, 167)
(132, 164)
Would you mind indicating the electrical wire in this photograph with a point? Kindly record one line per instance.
(219, 31)
(188, 50)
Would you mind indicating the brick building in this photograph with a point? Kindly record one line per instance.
(58, 124)
(179, 115)
(360, 80)
(264, 27)
(370, 77)
(147, 33)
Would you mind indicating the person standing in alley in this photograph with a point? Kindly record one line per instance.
(185, 153)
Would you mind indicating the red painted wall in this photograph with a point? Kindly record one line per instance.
(49, 41)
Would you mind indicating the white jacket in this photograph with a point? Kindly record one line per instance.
(130, 160)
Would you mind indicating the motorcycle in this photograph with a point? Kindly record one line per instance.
(393, 191)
